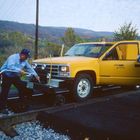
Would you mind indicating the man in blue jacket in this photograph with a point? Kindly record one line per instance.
(14, 67)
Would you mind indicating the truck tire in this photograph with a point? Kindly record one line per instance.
(83, 87)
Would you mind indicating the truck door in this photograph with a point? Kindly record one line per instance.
(120, 66)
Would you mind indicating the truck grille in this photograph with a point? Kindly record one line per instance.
(43, 70)
(55, 70)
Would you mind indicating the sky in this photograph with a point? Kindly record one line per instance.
(96, 15)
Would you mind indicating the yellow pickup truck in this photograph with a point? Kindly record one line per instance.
(87, 65)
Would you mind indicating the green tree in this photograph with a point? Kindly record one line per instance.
(53, 49)
(13, 42)
(126, 32)
(79, 39)
(49, 48)
(69, 38)
(18, 38)
(4, 40)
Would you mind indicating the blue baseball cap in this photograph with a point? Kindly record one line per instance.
(26, 52)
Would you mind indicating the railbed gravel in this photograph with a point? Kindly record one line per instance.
(34, 131)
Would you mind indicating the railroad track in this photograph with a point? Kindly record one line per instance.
(7, 123)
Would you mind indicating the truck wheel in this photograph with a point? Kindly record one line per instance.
(83, 87)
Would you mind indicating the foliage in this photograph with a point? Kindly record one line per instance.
(14, 38)
(49, 48)
(126, 32)
(79, 39)
(17, 38)
(14, 42)
(69, 38)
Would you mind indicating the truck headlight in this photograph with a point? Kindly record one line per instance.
(64, 71)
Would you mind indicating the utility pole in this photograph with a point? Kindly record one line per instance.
(36, 31)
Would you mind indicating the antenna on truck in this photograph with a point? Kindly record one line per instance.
(50, 70)
(62, 50)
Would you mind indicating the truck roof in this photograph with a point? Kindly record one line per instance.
(98, 43)
(103, 42)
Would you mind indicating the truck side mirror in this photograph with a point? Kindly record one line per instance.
(138, 58)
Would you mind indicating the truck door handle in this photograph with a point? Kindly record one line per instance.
(119, 65)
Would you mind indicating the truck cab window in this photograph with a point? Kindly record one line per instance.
(127, 51)
(112, 55)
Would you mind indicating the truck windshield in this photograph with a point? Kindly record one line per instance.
(88, 50)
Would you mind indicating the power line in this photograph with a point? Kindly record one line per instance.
(5, 6)
(17, 8)
(2, 3)
(8, 8)
(12, 9)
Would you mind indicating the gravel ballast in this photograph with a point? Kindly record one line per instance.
(34, 131)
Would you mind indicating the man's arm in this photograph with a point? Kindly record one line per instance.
(30, 70)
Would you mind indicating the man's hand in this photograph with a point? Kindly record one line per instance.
(22, 72)
(37, 78)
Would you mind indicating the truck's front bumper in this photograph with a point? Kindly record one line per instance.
(53, 85)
